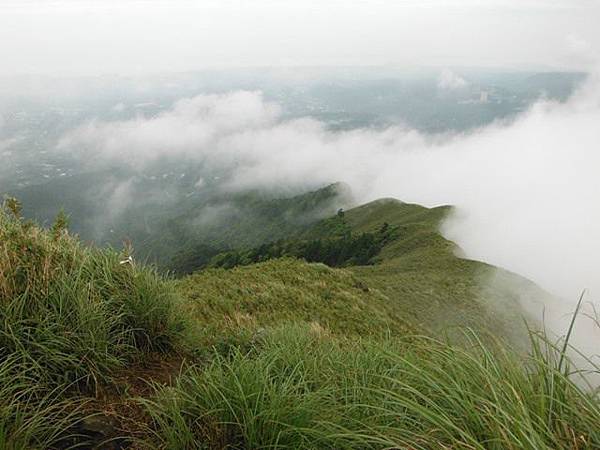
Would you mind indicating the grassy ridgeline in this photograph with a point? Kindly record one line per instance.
(234, 305)
(69, 316)
(296, 359)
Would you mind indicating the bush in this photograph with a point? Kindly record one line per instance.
(347, 250)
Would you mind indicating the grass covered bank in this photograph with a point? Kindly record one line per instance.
(70, 316)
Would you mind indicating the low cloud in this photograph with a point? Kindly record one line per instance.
(448, 80)
(119, 107)
(7, 144)
(215, 215)
(526, 191)
(189, 129)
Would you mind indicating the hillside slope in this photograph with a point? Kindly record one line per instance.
(437, 289)
(240, 220)
(98, 351)
(177, 226)
(415, 276)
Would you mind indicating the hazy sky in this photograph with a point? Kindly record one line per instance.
(144, 36)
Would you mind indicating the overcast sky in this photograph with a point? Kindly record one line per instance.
(145, 36)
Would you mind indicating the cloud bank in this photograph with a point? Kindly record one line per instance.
(526, 191)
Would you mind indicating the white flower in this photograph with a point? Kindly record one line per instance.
(128, 260)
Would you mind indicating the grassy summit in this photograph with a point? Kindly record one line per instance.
(236, 303)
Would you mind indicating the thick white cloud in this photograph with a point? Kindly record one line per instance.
(526, 191)
(191, 128)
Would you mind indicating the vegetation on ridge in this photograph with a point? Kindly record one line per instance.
(69, 317)
(346, 250)
(299, 388)
(281, 354)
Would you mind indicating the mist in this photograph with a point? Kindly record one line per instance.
(525, 190)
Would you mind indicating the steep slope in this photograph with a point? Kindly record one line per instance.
(436, 289)
(239, 221)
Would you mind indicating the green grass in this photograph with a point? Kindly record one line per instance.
(301, 389)
(308, 356)
(70, 316)
(72, 313)
(283, 354)
(233, 305)
(31, 417)
(428, 282)
(417, 282)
